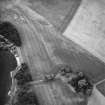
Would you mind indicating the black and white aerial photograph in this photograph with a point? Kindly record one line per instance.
(52, 52)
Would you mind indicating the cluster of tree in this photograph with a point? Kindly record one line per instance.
(80, 82)
(24, 94)
(10, 32)
(23, 76)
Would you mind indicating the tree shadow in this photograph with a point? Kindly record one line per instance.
(7, 64)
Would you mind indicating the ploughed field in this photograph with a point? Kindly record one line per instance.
(57, 12)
